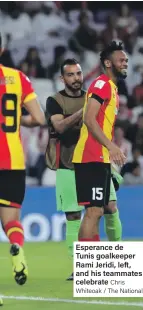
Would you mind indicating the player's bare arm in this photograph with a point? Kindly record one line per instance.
(90, 116)
(36, 112)
(28, 121)
(61, 124)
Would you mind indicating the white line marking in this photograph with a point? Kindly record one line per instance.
(94, 302)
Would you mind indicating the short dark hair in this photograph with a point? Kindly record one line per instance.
(109, 49)
(70, 62)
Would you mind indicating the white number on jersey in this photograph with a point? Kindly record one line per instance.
(97, 193)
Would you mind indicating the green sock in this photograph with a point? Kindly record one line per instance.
(72, 229)
(113, 226)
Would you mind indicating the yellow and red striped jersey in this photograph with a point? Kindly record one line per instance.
(88, 149)
(15, 89)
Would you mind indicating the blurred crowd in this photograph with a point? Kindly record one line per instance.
(39, 35)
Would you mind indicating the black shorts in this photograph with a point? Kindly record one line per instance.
(12, 188)
(93, 183)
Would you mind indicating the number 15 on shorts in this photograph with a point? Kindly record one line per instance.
(97, 193)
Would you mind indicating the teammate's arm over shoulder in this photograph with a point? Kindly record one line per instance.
(54, 112)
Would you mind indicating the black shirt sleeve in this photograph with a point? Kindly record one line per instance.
(52, 107)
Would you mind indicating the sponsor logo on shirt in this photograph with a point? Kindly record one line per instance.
(99, 84)
(7, 80)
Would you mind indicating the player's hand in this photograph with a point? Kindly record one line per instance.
(116, 155)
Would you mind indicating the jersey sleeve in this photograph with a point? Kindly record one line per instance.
(52, 107)
(28, 92)
(99, 90)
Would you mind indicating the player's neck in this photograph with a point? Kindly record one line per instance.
(72, 94)
(112, 77)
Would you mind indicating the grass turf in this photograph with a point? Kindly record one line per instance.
(49, 266)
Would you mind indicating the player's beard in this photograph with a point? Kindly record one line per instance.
(118, 74)
(72, 89)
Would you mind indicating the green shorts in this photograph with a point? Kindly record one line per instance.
(113, 195)
(66, 191)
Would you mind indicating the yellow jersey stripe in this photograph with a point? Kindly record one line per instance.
(109, 121)
(29, 97)
(13, 139)
(79, 149)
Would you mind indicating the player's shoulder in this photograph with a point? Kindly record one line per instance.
(23, 76)
(100, 82)
(8, 71)
(52, 97)
(14, 72)
(51, 101)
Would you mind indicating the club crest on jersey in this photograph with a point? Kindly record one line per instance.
(99, 84)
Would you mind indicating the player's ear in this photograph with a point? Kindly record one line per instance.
(61, 78)
(1, 51)
(107, 63)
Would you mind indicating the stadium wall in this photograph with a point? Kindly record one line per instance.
(42, 223)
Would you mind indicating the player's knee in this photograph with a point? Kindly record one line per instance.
(73, 216)
(94, 212)
(111, 208)
(8, 215)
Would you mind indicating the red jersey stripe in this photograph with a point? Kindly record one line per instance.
(5, 158)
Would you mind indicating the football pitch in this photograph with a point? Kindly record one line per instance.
(46, 287)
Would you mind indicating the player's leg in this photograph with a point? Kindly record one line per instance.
(73, 220)
(12, 191)
(10, 218)
(67, 202)
(112, 223)
(93, 186)
(89, 229)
